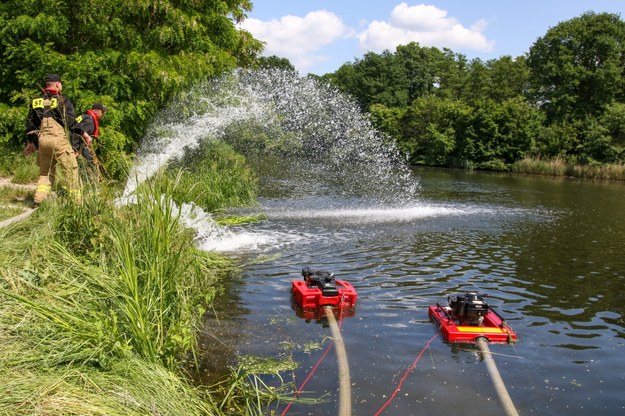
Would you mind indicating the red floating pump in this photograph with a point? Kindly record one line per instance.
(320, 288)
(467, 318)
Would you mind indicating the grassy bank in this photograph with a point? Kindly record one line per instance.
(558, 167)
(100, 307)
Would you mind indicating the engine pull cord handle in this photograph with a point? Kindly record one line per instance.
(500, 387)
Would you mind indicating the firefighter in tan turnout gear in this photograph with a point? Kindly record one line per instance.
(50, 118)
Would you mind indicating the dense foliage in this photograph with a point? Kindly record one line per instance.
(132, 55)
(564, 99)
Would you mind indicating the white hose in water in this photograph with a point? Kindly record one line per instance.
(345, 390)
(500, 387)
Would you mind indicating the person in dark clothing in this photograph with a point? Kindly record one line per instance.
(49, 121)
(87, 130)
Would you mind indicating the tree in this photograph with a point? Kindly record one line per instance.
(578, 67)
(498, 134)
(431, 128)
(275, 62)
(387, 120)
(375, 79)
(431, 70)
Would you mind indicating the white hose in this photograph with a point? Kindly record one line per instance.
(345, 390)
(16, 218)
(500, 387)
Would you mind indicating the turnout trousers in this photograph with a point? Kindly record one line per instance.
(54, 148)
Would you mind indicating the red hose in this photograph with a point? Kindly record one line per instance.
(299, 390)
(414, 364)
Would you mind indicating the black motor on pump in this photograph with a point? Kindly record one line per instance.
(470, 308)
(322, 279)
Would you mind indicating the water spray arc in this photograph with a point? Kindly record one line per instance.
(278, 114)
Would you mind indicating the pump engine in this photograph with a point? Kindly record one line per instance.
(469, 308)
(322, 279)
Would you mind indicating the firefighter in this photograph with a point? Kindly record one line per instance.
(88, 129)
(50, 118)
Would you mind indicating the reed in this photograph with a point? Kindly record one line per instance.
(611, 172)
(559, 167)
(553, 167)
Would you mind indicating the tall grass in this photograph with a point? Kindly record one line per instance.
(100, 305)
(94, 289)
(21, 169)
(553, 167)
(559, 167)
(163, 279)
(9, 212)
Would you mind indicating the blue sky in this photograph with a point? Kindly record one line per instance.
(318, 36)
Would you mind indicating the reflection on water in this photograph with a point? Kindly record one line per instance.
(547, 252)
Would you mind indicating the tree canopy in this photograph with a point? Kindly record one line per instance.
(563, 99)
(578, 67)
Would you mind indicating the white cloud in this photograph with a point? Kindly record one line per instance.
(299, 39)
(426, 24)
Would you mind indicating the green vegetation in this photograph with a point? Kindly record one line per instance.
(215, 177)
(557, 167)
(133, 56)
(100, 306)
(22, 170)
(81, 303)
(9, 212)
(13, 200)
(563, 102)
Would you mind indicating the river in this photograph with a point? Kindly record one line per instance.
(547, 251)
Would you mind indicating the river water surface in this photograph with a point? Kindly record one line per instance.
(548, 252)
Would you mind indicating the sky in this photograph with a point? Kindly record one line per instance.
(318, 36)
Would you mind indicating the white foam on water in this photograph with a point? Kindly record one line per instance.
(210, 236)
(377, 215)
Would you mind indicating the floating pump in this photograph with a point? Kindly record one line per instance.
(469, 318)
(320, 288)
(320, 296)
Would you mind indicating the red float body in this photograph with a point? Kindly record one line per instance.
(311, 297)
(493, 328)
